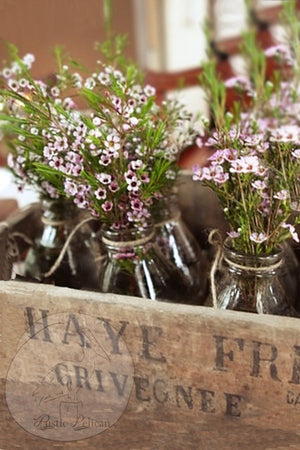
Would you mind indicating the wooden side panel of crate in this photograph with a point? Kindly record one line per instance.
(86, 370)
(5, 267)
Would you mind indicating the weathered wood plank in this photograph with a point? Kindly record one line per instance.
(5, 265)
(163, 374)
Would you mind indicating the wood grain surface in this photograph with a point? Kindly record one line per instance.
(201, 379)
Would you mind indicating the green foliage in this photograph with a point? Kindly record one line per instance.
(215, 92)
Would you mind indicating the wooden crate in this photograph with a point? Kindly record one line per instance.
(84, 370)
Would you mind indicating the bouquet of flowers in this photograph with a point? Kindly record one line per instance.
(32, 110)
(255, 170)
(115, 158)
(129, 149)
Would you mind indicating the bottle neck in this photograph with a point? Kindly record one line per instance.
(242, 264)
(127, 243)
(59, 217)
(58, 212)
(166, 210)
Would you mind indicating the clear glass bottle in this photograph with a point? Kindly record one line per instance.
(252, 283)
(135, 266)
(180, 246)
(80, 265)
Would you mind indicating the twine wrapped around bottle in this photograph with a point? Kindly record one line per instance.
(132, 243)
(215, 239)
(64, 249)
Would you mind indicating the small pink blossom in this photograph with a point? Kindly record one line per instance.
(131, 103)
(230, 154)
(113, 186)
(136, 204)
(100, 194)
(199, 141)
(144, 178)
(237, 166)
(125, 255)
(116, 101)
(292, 231)
(6, 72)
(234, 234)
(104, 178)
(258, 238)
(259, 185)
(96, 121)
(201, 173)
(245, 164)
(238, 82)
(81, 201)
(130, 175)
(95, 213)
(55, 91)
(90, 83)
(296, 153)
(48, 152)
(70, 187)
(149, 90)
(104, 78)
(105, 160)
(112, 143)
(286, 133)
(281, 195)
(142, 98)
(56, 162)
(217, 157)
(262, 147)
(107, 206)
(281, 51)
(133, 185)
(133, 121)
(13, 85)
(28, 60)
(136, 164)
